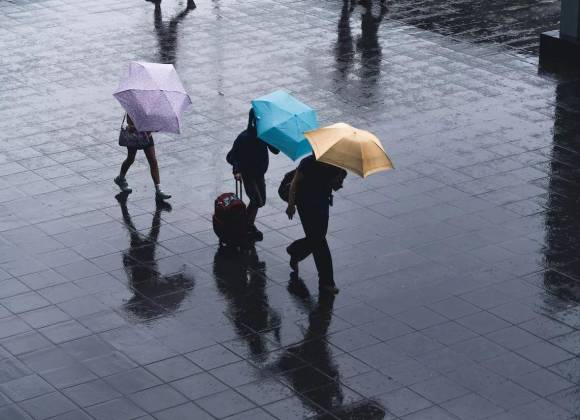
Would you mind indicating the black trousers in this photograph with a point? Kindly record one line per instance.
(314, 220)
(255, 186)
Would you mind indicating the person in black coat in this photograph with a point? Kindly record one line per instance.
(311, 192)
(249, 159)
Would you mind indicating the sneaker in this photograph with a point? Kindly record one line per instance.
(293, 262)
(161, 196)
(122, 183)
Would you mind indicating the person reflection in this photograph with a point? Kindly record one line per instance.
(367, 44)
(154, 294)
(344, 49)
(167, 32)
(563, 200)
(239, 277)
(309, 366)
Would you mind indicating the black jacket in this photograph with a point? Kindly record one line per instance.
(249, 154)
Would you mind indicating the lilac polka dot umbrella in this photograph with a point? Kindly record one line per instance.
(153, 96)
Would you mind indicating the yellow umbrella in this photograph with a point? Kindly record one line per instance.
(347, 147)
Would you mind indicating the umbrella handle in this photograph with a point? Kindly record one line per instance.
(240, 192)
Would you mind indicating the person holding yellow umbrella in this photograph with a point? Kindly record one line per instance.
(335, 148)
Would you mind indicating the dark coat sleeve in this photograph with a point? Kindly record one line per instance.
(233, 156)
(273, 149)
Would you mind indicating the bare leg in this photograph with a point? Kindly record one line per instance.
(131, 153)
(120, 180)
(150, 154)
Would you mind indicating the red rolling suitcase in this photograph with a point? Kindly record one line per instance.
(230, 221)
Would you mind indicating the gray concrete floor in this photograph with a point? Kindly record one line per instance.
(458, 270)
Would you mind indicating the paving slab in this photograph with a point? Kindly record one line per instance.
(458, 270)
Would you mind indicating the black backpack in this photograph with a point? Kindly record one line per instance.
(284, 188)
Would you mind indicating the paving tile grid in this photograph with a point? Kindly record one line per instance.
(458, 270)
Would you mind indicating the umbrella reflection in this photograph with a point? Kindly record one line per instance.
(167, 32)
(239, 278)
(154, 294)
(303, 363)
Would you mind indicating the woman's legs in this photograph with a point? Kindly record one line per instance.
(120, 180)
(131, 153)
(152, 159)
(154, 167)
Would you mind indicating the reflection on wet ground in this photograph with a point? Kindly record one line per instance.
(459, 270)
(167, 32)
(155, 295)
(514, 25)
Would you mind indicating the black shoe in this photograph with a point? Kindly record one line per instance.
(329, 289)
(254, 234)
(293, 261)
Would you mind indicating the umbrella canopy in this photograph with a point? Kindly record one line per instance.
(349, 148)
(282, 121)
(153, 96)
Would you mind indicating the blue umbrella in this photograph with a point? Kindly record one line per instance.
(282, 121)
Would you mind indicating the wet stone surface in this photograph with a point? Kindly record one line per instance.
(458, 271)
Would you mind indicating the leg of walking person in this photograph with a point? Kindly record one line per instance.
(316, 230)
(256, 191)
(120, 179)
(154, 168)
(301, 249)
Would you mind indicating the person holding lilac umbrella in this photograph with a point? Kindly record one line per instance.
(149, 149)
(154, 99)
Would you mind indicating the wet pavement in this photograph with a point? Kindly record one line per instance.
(459, 271)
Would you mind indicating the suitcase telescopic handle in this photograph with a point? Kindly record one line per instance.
(239, 189)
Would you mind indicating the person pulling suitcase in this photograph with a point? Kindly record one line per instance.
(249, 159)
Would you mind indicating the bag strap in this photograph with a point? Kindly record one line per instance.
(240, 192)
